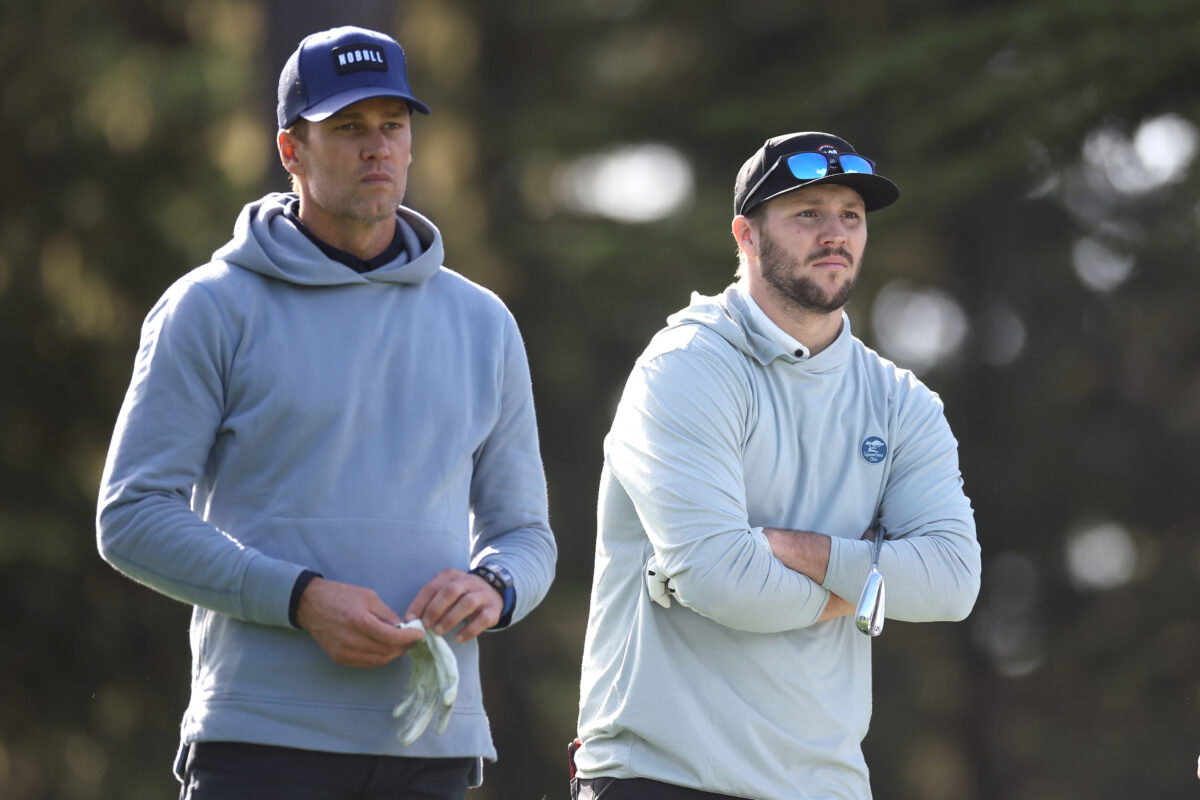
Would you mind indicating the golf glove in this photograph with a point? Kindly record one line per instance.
(432, 686)
(658, 585)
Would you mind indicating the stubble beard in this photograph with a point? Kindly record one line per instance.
(351, 205)
(368, 210)
(800, 291)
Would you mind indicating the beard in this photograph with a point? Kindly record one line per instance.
(349, 202)
(802, 291)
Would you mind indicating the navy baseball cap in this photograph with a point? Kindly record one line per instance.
(796, 160)
(332, 69)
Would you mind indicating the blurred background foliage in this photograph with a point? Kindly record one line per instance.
(1040, 272)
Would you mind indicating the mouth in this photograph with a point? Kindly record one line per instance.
(376, 177)
(831, 259)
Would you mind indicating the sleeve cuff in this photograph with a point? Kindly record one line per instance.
(302, 582)
(506, 612)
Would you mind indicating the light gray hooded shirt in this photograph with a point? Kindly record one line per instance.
(288, 413)
(722, 431)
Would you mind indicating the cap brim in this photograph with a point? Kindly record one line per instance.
(331, 105)
(876, 191)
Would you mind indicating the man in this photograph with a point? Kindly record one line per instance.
(755, 442)
(328, 433)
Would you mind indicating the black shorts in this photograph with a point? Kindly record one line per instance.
(241, 771)
(636, 789)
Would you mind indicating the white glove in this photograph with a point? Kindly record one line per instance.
(432, 686)
(658, 585)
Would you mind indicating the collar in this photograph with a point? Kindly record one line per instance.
(767, 327)
(393, 251)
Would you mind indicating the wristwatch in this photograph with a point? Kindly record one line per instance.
(497, 577)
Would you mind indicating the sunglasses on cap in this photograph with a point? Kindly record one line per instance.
(811, 165)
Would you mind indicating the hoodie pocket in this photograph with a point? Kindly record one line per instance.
(394, 558)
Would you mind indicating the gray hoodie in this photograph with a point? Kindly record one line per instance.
(288, 413)
(722, 431)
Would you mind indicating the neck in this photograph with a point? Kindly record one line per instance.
(816, 330)
(364, 239)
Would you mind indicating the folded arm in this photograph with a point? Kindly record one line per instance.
(931, 558)
(808, 553)
(675, 450)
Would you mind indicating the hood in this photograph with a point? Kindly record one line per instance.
(729, 316)
(265, 241)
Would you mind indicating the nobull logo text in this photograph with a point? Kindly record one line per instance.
(357, 57)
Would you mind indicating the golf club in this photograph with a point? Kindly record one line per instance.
(869, 614)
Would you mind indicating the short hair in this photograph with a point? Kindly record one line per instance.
(299, 132)
(755, 215)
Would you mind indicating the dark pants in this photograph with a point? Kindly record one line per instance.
(239, 771)
(636, 789)
(629, 788)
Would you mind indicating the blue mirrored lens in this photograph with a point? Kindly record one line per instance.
(855, 164)
(808, 166)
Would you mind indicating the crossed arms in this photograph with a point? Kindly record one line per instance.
(808, 554)
(678, 452)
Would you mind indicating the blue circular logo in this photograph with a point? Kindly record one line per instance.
(874, 449)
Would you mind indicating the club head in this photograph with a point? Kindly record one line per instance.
(868, 616)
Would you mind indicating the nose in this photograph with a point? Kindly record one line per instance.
(833, 231)
(376, 146)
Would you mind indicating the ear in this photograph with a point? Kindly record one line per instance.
(289, 153)
(744, 235)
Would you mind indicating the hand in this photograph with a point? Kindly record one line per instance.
(658, 585)
(452, 597)
(432, 686)
(352, 624)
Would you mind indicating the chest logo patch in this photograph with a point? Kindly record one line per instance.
(873, 449)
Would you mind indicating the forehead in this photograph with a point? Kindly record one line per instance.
(383, 106)
(825, 194)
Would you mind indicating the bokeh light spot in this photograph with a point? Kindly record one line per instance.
(1098, 266)
(917, 327)
(1102, 556)
(636, 183)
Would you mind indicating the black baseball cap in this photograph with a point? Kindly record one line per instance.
(767, 173)
(335, 68)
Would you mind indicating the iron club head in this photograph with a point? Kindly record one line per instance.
(868, 616)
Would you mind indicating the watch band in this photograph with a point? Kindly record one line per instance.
(497, 577)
